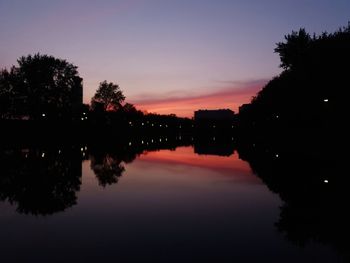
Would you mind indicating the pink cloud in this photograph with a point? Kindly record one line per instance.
(230, 97)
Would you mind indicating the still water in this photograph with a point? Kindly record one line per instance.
(159, 205)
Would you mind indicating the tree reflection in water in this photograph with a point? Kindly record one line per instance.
(40, 181)
(108, 159)
(44, 180)
(313, 188)
(107, 168)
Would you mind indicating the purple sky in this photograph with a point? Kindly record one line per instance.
(166, 55)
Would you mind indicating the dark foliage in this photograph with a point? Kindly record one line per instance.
(40, 87)
(310, 92)
(108, 96)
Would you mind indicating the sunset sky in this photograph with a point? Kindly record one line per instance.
(168, 56)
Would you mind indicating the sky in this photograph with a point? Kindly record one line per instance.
(167, 56)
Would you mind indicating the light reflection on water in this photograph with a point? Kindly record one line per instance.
(166, 206)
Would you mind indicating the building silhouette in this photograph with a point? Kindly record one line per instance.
(220, 114)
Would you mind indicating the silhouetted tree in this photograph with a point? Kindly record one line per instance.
(129, 108)
(310, 92)
(6, 93)
(293, 51)
(109, 96)
(41, 86)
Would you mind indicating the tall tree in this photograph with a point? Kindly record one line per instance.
(42, 86)
(293, 52)
(109, 96)
(310, 91)
(6, 93)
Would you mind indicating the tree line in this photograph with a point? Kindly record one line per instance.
(310, 91)
(41, 86)
(44, 88)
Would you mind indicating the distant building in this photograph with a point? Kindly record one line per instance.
(219, 115)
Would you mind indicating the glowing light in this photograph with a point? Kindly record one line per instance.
(43, 155)
(141, 142)
(82, 149)
(185, 106)
(326, 181)
(43, 114)
(325, 100)
(82, 119)
(129, 143)
(160, 125)
(160, 140)
(143, 124)
(277, 155)
(84, 113)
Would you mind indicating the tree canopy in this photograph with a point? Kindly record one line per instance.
(311, 88)
(40, 86)
(293, 51)
(108, 96)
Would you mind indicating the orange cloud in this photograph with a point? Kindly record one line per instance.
(229, 98)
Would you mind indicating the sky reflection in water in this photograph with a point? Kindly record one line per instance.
(167, 206)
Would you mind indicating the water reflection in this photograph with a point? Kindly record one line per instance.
(181, 194)
(45, 179)
(107, 161)
(313, 188)
(107, 168)
(40, 181)
(214, 145)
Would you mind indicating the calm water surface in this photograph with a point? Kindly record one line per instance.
(163, 206)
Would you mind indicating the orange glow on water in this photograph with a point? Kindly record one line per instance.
(185, 156)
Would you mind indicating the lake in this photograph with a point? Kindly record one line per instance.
(177, 203)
